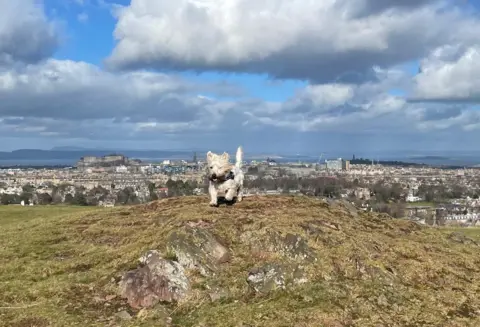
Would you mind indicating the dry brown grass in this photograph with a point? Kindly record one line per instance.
(59, 265)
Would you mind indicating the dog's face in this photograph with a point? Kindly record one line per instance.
(218, 166)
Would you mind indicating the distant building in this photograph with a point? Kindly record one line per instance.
(362, 193)
(337, 164)
(321, 166)
(412, 198)
(121, 169)
(162, 192)
(112, 160)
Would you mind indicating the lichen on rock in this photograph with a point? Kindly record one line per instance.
(198, 249)
(157, 280)
(275, 276)
(291, 246)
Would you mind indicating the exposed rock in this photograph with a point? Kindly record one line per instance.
(317, 226)
(291, 246)
(311, 229)
(110, 297)
(196, 248)
(159, 313)
(344, 205)
(123, 315)
(382, 301)
(142, 314)
(217, 293)
(271, 277)
(461, 238)
(157, 280)
(374, 273)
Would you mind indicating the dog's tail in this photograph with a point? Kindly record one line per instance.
(239, 157)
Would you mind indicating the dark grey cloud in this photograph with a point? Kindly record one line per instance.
(369, 7)
(443, 112)
(79, 91)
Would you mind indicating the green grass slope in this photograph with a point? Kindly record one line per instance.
(60, 266)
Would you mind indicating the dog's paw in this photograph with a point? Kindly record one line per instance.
(239, 198)
(213, 204)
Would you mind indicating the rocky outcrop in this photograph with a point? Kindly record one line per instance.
(291, 246)
(165, 280)
(157, 280)
(461, 238)
(288, 272)
(192, 248)
(198, 249)
(272, 277)
(341, 268)
(344, 206)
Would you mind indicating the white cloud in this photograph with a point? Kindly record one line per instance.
(315, 40)
(450, 73)
(327, 95)
(466, 120)
(25, 33)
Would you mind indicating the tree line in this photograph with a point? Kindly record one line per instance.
(92, 197)
(384, 196)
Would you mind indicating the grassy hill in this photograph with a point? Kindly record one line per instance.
(311, 263)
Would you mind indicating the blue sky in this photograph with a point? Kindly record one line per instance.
(289, 76)
(90, 40)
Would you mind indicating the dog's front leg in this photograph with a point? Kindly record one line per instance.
(230, 194)
(213, 194)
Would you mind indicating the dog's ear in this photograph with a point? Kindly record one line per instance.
(225, 156)
(209, 156)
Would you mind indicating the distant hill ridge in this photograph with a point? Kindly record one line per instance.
(27, 154)
(72, 153)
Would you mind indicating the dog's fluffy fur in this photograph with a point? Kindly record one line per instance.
(219, 168)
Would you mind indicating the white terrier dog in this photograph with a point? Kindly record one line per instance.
(225, 177)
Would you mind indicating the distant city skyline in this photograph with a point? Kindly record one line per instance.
(67, 156)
